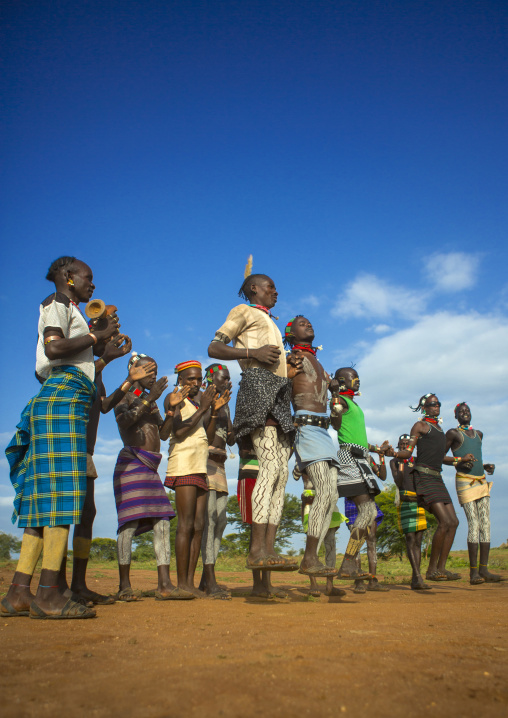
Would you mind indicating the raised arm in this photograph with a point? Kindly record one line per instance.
(135, 374)
(129, 411)
(182, 427)
(171, 403)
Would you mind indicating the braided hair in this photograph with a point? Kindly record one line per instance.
(421, 403)
(245, 290)
(289, 339)
(58, 265)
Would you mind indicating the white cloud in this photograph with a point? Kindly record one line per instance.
(311, 301)
(379, 328)
(369, 296)
(461, 357)
(452, 271)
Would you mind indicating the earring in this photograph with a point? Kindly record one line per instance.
(70, 282)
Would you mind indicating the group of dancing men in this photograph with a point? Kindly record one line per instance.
(282, 407)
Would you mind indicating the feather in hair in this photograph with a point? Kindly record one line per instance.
(248, 267)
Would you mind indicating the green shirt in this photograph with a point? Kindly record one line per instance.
(352, 430)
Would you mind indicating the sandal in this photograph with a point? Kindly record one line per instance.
(476, 581)
(70, 610)
(436, 576)
(8, 610)
(177, 594)
(450, 576)
(128, 595)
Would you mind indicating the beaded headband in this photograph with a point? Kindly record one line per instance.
(287, 331)
(211, 370)
(135, 357)
(187, 365)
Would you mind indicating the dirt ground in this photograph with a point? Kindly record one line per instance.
(402, 653)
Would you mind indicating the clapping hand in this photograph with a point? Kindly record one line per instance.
(136, 373)
(221, 400)
(116, 348)
(178, 395)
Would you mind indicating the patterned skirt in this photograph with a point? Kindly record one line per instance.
(262, 393)
(139, 493)
(198, 480)
(355, 476)
(411, 517)
(47, 455)
(351, 512)
(430, 489)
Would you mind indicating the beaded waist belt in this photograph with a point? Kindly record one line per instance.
(310, 420)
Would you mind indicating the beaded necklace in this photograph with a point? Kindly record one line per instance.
(263, 309)
(304, 348)
(430, 420)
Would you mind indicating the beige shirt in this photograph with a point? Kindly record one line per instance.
(251, 328)
(190, 454)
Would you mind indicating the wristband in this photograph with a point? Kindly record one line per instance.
(51, 339)
(93, 337)
(146, 403)
(381, 459)
(102, 360)
(213, 416)
(125, 386)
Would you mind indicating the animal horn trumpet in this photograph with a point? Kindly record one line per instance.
(97, 309)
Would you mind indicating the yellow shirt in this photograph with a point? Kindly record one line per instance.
(188, 455)
(251, 328)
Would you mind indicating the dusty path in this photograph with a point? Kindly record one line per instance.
(443, 653)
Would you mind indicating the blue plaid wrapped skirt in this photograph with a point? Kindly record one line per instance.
(47, 455)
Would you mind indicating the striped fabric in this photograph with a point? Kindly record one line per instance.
(47, 455)
(430, 487)
(411, 518)
(352, 512)
(244, 491)
(139, 493)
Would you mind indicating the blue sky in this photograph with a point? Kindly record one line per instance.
(357, 149)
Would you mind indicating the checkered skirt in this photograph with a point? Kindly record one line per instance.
(47, 455)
